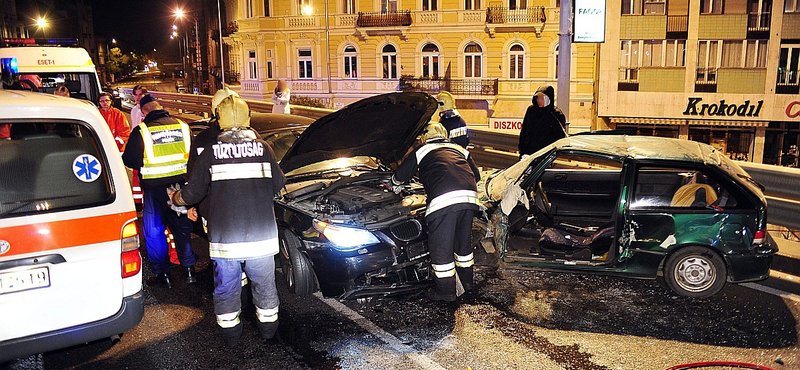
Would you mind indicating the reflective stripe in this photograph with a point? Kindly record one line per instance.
(150, 172)
(267, 247)
(458, 131)
(444, 271)
(464, 261)
(136, 188)
(452, 197)
(427, 148)
(267, 314)
(228, 320)
(233, 171)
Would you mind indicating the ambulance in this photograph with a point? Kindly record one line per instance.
(70, 267)
(45, 64)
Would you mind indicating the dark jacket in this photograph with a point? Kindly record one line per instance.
(541, 126)
(444, 169)
(240, 176)
(456, 128)
(133, 156)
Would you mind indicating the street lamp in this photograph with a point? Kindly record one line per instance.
(41, 22)
(179, 13)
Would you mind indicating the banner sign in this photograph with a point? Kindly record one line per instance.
(590, 21)
(510, 124)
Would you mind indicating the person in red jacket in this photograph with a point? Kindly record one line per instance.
(116, 121)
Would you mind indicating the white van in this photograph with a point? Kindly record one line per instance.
(70, 268)
(46, 67)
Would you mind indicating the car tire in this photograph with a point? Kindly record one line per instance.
(297, 271)
(696, 272)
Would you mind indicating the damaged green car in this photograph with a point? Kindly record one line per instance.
(632, 206)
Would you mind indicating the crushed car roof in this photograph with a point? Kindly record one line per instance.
(641, 147)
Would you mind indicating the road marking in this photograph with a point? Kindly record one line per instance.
(773, 291)
(394, 343)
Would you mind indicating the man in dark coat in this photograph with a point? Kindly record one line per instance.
(543, 123)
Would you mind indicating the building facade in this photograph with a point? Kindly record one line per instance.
(723, 72)
(491, 56)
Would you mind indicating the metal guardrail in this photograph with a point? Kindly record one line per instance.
(201, 104)
(499, 150)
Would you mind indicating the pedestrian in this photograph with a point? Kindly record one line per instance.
(116, 120)
(61, 90)
(136, 111)
(543, 124)
(280, 98)
(239, 175)
(159, 149)
(449, 177)
(451, 120)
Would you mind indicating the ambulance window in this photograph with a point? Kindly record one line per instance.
(50, 166)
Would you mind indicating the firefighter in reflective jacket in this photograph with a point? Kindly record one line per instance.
(240, 176)
(448, 175)
(451, 120)
(159, 149)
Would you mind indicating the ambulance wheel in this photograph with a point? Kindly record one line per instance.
(296, 269)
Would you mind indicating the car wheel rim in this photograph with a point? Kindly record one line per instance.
(695, 273)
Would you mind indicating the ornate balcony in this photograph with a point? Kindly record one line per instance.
(379, 19)
(501, 15)
(456, 87)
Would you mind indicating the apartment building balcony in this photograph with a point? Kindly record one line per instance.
(383, 23)
(788, 82)
(503, 19)
(459, 87)
(758, 25)
(677, 26)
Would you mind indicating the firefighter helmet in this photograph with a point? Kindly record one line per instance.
(433, 131)
(220, 96)
(233, 111)
(446, 101)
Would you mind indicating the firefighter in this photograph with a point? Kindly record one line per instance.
(449, 177)
(159, 149)
(451, 119)
(240, 176)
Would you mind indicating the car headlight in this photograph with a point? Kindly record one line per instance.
(345, 239)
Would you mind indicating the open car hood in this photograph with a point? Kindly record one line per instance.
(383, 126)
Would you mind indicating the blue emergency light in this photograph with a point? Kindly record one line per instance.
(10, 70)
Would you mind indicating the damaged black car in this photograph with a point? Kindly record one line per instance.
(343, 230)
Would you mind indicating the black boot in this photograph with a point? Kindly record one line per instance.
(443, 290)
(231, 335)
(160, 279)
(267, 329)
(465, 274)
(191, 275)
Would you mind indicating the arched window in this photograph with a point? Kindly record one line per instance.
(516, 62)
(472, 60)
(350, 62)
(389, 61)
(430, 61)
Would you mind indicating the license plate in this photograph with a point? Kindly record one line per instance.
(17, 281)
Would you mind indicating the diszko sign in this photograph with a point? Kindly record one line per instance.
(743, 110)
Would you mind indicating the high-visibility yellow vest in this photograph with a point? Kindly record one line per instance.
(166, 150)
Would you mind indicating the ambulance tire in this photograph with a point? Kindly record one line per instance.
(297, 270)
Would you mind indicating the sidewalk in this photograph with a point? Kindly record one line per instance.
(788, 258)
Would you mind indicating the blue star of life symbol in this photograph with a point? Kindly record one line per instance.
(87, 168)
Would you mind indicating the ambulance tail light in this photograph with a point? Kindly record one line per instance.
(131, 259)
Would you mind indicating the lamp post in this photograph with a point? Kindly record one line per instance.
(41, 23)
(179, 13)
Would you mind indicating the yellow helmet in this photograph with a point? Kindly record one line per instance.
(434, 130)
(220, 96)
(233, 111)
(446, 101)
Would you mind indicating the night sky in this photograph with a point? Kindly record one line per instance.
(139, 25)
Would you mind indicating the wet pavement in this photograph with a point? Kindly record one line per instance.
(516, 320)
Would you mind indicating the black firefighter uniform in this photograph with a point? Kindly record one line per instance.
(449, 177)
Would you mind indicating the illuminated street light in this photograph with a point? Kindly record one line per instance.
(175, 27)
(179, 14)
(41, 22)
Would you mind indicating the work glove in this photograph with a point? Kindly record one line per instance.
(179, 210)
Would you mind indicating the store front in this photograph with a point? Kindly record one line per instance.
(781, 142)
